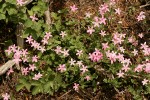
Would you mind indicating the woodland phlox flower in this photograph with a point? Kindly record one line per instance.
(145, 82)
(79, 53)
(58, 49)
(63, 34)
(102, 33)
(72, 62)
(96, 55)
(103, 9)
(73, 8)
(90, 30)
(147, 68)
(10, 71)
(34, 18)
(20, 2)
(120, 74)
(118, 11)
(88, 78)
(139, 68)
(62, 68)
(96, 21)
(25, 71)
(46, 38)
(6, 96)
(145, 49)
(105, 46)
(76, 87)
(112, 56)
(117, 38)
(37, 76)
(141, 16)
(84, 69)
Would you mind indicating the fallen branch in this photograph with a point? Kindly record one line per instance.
(147, 4)
(6, 66)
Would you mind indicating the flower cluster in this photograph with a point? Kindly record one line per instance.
(96, 55)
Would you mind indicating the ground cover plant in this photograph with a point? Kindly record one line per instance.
(99, 50)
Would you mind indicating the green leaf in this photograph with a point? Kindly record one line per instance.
(2, 16)
(22, 80)
(11, 1)
(30, 12)
(31, 32)
(28, 23)
(54, 15)
(35, 90)
(36, 8)
(35, 83)
(47, 87)
(28, 86)
(19, 87)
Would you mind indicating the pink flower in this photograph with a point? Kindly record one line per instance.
(118, 11)
(84, 69)
(147, 68)
(139, 68)
(146, 51)
(62, 68)
(58, 49)
(120, 74)
(105, 46)
(103, 9)
(88, 78)
(48, 35)
(33, 18)
(117, 38)
(96, 55)
(32, 67)
(25, 71)
(29, 39)
(90, 30)
(9, 51)
(72, 62)
(141, 35)
(76, 87)
(145, 81)
(42, 49)
(121, 49)
(44, 41)
(141, 16)
(65, 52)
(112, 56)
(79, 63)
(37, 76)
(10, 71)
(63, 34)
(88, 14)
(73, 8)
(35, 44)
(102, 33)
(5, 96)
(34, 58)
(144, 46)
(24, 52)
(96, 22)
(135, 52)
(79, 52)
(125, 68)
(102, 20)
(20, 2)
